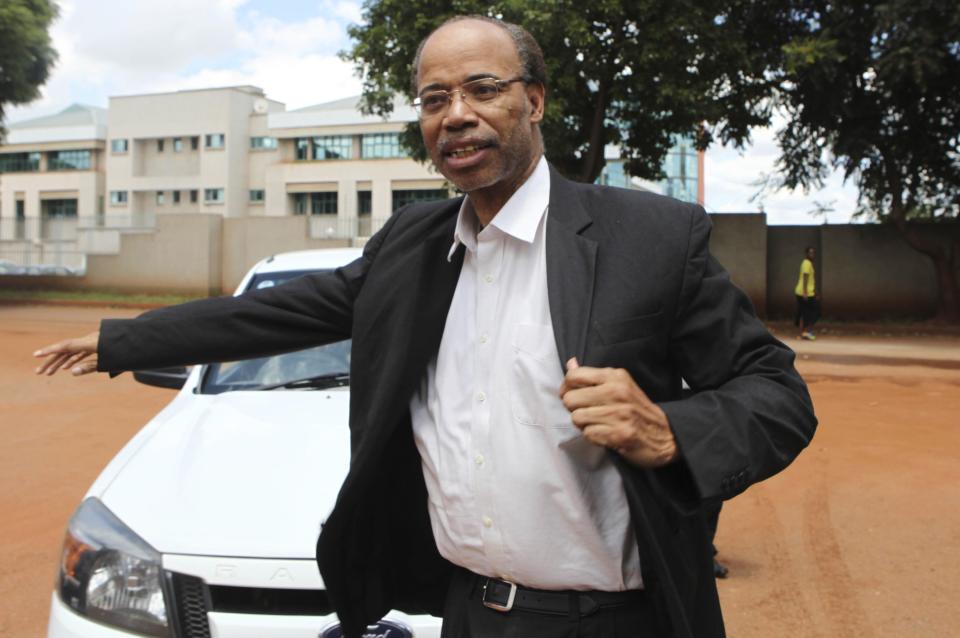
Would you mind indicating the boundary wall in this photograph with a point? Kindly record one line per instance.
(863, 271)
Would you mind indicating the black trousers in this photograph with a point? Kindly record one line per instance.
(464, 616)
(808, 312)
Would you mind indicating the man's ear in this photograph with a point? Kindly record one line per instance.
(535, 97)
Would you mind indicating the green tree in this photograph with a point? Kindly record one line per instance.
(26, 54)
(873, 89)
(628, 72)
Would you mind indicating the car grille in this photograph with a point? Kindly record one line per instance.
(193, 598)
(191, 602)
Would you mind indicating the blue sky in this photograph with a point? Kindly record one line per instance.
(289, 48)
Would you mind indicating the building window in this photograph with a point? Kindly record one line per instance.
(614, 174)
(404, 197)
(315, 203)
(213, 195)
(193, 196)
(118, 198)
(58, 208)
(257, 196)
(263, 143)
(177, 144)
(332, 147)
(194, 143)
(681, 167)
(159, 146)
(69, 160)
(160, 198)
(364, 202)
(215, 140)
(19, 162)
(303, 148)
(300, 203)
(323, 203)
(118, 146)
(176, 197)
(380, 145)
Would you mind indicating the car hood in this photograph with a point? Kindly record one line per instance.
(244, 474)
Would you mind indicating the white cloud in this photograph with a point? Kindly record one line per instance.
(733, 177)
(351, 12)
(295, 81)
(149, 37)
(318, 34)
(118, 47)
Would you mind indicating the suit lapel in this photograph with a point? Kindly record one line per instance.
(571, 268)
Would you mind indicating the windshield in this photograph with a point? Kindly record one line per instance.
(331, 361)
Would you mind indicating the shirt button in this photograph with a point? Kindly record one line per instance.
(488, 279)
(481, 397)
(487, 522)
(478, 459)
(484, 338)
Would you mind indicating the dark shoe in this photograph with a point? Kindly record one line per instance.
(719, 569)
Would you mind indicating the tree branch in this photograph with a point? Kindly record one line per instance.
(593, 162)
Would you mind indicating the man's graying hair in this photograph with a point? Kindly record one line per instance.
(529, 52)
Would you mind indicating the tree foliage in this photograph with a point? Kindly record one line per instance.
(628, 72)
(873, 88)
(26, 54)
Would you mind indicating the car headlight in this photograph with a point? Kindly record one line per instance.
(111, 575)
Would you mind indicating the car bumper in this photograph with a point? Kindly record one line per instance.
(65, 623)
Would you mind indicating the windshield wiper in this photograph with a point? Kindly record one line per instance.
(319, 382)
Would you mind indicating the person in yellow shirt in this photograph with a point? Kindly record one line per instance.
(808, 308)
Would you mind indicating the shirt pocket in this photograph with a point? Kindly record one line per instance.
(630, 329)
(535, 376)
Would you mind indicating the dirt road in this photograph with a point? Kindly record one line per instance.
(859, 538)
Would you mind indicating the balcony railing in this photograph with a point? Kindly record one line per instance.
(58, 228)
(69, 228)
(13, 229)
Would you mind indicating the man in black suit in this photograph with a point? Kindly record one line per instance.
(522, 460)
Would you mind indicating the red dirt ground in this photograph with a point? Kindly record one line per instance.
(859, 538)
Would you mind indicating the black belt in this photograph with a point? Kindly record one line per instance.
(502, 595)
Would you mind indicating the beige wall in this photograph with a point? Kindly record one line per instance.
(247, 241)
(862, 271)
(182, 255)
(739, 242)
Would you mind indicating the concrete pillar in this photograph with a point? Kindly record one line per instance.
(381, 199)
(347, 207)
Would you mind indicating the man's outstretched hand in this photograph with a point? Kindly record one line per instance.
(611, 410)
(78, 355)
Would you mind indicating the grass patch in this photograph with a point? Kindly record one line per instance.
(93, 296)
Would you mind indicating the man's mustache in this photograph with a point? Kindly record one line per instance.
(449, 144)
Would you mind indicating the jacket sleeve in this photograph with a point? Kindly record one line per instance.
(306, 311)
(750, 413)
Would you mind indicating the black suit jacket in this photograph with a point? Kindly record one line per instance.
(631, 284)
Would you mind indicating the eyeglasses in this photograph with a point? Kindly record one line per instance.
(433, 103)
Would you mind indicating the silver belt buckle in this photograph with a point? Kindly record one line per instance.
(496, 604)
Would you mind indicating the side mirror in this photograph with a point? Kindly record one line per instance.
(172, 378)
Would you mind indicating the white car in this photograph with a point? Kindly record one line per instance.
(206, 522)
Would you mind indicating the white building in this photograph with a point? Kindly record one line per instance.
(52, 173)
(72, 183)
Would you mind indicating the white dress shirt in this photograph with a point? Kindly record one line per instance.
(515, 491)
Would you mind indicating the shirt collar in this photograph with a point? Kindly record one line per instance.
(519, 217)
